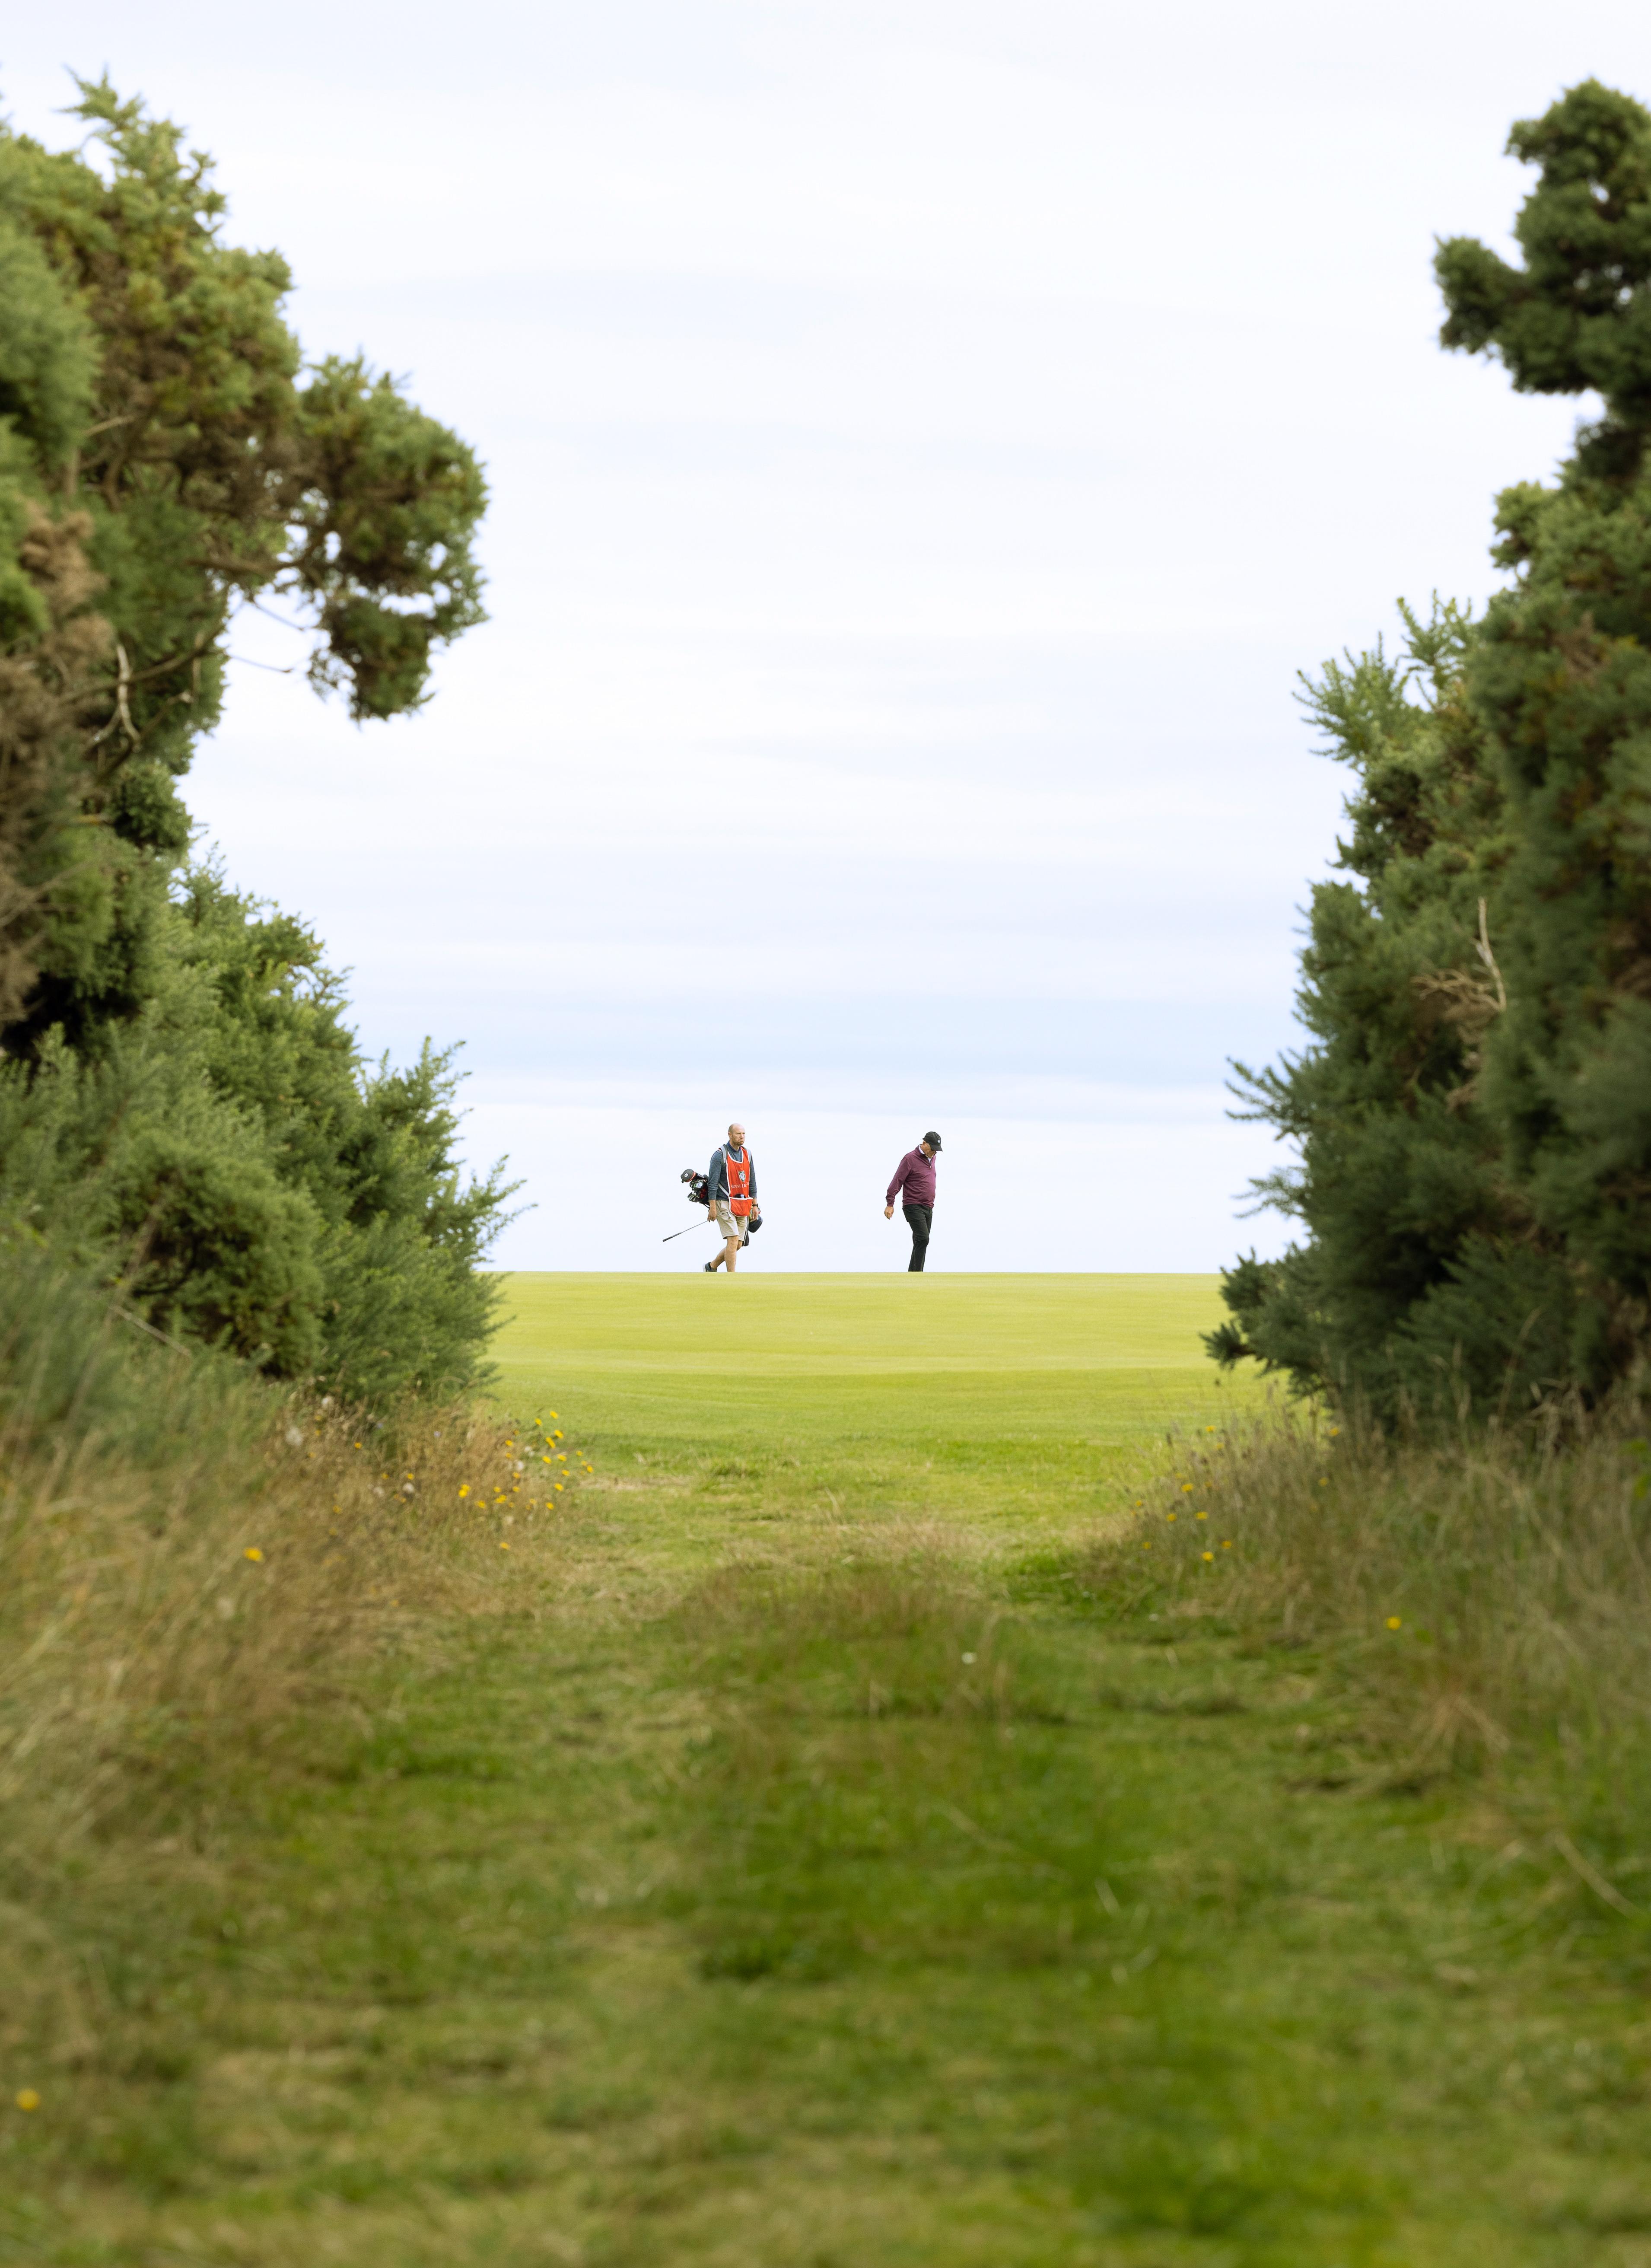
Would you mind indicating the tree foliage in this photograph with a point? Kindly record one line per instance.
(180, 1096)
(1473, 1109)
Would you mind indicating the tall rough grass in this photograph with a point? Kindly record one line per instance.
(185, 1551)
(1486, 1600)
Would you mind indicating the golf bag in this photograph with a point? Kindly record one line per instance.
(699, 1188)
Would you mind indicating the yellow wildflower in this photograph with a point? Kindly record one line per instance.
(1209, 1555)
(27, 2099)
(1396, 1622)
(464, 1488)
(252, 1553)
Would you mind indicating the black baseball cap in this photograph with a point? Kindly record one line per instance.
(933, 1141)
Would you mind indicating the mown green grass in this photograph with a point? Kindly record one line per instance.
(799, 1867)
(1013, 1402)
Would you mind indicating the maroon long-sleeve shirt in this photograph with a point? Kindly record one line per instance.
(916, 1175)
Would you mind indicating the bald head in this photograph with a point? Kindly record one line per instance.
(736, 1135)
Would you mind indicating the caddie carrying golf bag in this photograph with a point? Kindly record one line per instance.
(699, 1188)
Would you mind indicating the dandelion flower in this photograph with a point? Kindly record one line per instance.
(1334, 1431)
(1147, 1546)
(464, 1489)
(1226, 1544)
(557, 1490)
(1201, 1516)
(1209, 1429)
(252, 1553)
(1171, 1516)
(27, 2099)
(1209, 1555)
(504, 1547)
(1187, 1488)
(1396, 1622)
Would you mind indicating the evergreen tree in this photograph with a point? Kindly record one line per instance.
(182, 1104)
(1473, 1110)
(167, 459)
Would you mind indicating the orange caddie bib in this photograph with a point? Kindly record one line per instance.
(739, 1198)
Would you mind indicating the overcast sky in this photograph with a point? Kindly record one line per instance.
(926, 440)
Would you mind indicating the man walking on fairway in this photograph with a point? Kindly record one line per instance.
(916, 1175)
(733, 1197)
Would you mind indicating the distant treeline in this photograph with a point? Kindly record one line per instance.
(1473, 1107)
(183, 1110)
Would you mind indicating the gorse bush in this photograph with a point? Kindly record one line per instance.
(261, 1189)
(1473, 1109)
(182, 1104)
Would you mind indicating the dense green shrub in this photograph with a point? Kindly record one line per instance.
(251, 1182)
(1473, 1107)
(183, 1109)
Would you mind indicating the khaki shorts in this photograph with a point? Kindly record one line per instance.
(729, 1225)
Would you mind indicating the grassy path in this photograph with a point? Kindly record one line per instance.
(798, 1869)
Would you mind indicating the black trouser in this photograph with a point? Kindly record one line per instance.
(920, 1219)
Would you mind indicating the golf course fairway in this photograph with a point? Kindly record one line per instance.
(1003, 1399)
(795, 1849)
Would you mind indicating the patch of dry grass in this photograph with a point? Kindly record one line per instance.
(187, 1552)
